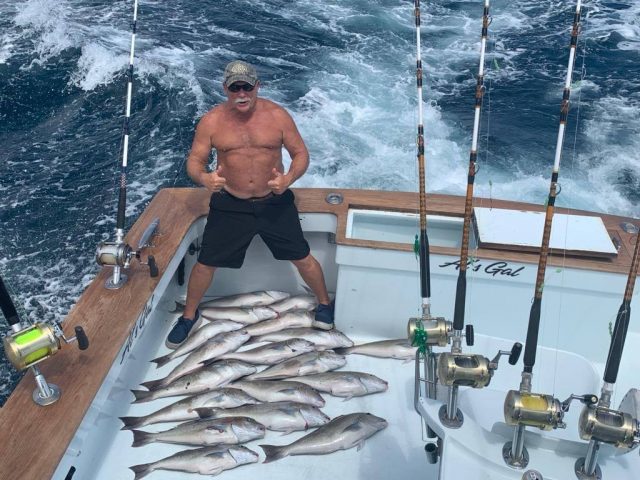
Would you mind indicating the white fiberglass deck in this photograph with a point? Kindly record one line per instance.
(395, 451)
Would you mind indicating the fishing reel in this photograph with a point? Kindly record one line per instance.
(467, 370)
(472, 370)
(525, 409)
(119, 255)
(601, 424)
(434, 331)
(25, 347)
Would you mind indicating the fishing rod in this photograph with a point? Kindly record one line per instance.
(523, 408)
(455, 369)
(26, 345)
(119, 254)
(426, 331)
(602, 424)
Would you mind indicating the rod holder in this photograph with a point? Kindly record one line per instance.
(467, 370)
(432, 451)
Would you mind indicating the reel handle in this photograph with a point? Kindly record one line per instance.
(469, 335)
(589, 400)
(514, 356)
(153, 266)
(81, 337)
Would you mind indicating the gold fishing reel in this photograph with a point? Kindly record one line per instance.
(472, 370)
(31, 345)
(605, 425)
(435, 330)
(26, 347)
(533, 410)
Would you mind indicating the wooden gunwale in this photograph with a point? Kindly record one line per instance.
(33, 439)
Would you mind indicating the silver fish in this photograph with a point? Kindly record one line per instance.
(324, 340)
(307, 364)
(230, 431)
(295, 302)
(246, 316)
(184, 409)
(210, 350)
(280, 391)
(205, 461)
(399, 349)
(292, 319)
(341, 433)
(273, 353)
(279, 416)
(205, 379)
(251, 299)
(344, 384)
(199, 337)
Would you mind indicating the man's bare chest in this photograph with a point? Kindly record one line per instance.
(235, 137)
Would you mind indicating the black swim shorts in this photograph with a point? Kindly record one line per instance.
(233, 222)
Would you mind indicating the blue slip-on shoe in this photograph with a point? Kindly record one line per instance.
(324, 317)
(181, 330)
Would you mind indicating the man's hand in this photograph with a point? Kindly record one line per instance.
(214, 181)
(278, 183)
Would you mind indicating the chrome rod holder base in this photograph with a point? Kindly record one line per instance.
(455, 422)
(43, 399)
(513, 462)
(113, 285)
(582, 475)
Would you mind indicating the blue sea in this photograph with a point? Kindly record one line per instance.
(346, 72)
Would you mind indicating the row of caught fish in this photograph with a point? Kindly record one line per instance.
(341, 433)
(234, 414)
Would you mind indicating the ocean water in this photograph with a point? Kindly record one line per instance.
(346, 72)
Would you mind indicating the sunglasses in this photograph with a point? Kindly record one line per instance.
(236, 87)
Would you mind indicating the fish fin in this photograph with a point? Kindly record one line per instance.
(141, 438)
(348, 397)
(354, 427)
(341, 350)
(141, 470)
(162, 361)
(408, 360)
(132, 422)
(287, 432)
(206, 412)
(152, 385)
(359, 446)
(141, 396)
(273, 453)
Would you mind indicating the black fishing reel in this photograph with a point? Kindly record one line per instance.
(118, 255)
(25, 347)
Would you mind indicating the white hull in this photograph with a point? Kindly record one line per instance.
(376, 293)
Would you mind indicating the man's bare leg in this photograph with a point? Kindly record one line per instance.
(199, 282)
(311, 272)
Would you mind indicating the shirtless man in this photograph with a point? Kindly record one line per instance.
(250, 192)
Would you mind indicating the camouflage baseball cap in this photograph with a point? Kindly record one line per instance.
(239, 71)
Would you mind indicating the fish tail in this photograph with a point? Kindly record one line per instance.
(132, 422)
(162, 361)
(142, 396)
(179, 308)
(152, 385)
(141, 438)
(141, 470)
(273, 453)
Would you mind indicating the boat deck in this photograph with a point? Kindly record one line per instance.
(110, 318)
